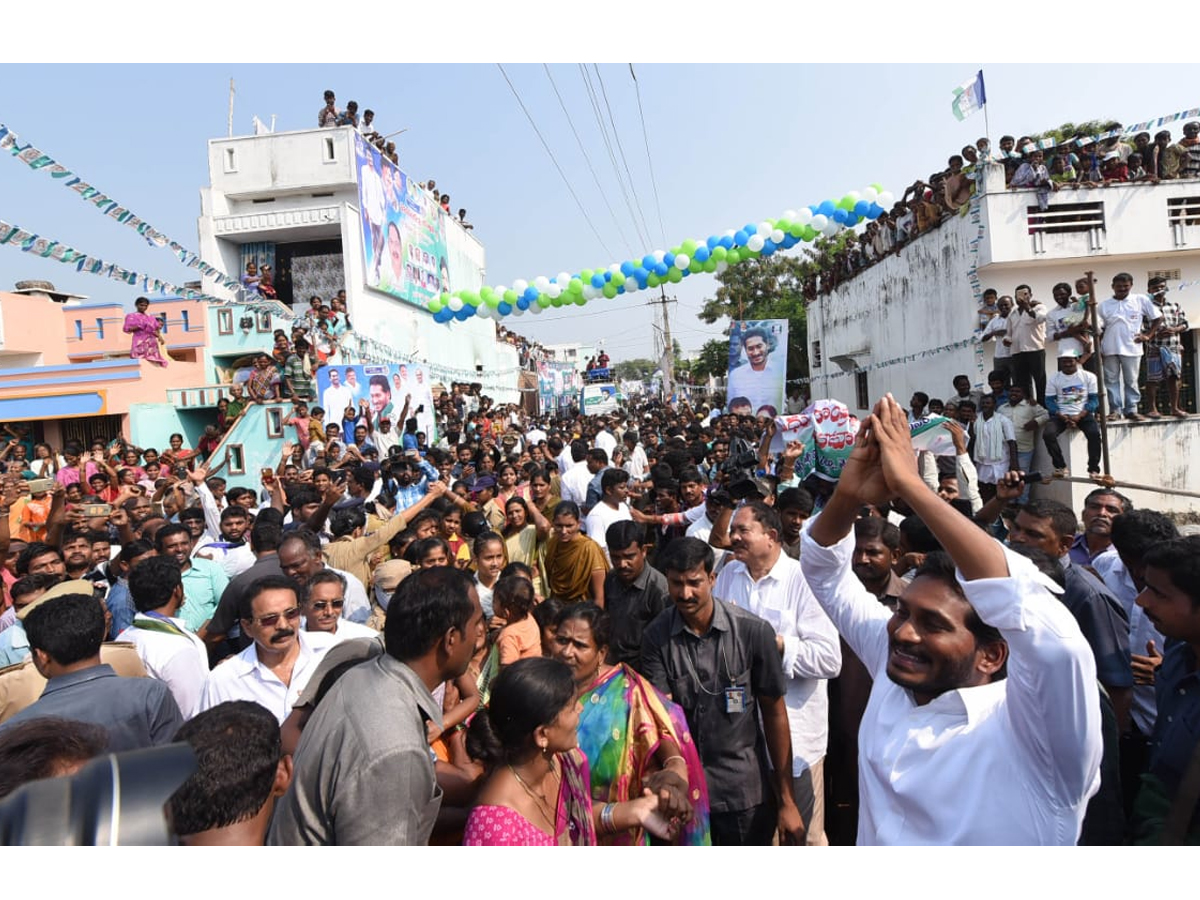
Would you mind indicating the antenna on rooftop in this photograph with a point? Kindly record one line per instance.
(231, 93)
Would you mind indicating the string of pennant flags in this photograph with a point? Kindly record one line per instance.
(18, 238)
(887, 363)
(1050, 143)
(37, 160)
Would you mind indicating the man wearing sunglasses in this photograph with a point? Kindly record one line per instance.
(275, 668)
(322, 603)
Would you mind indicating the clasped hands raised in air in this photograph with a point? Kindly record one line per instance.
(883, 463)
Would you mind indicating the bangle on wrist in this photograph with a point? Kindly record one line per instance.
(606, 819)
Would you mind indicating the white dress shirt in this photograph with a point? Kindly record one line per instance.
(1027, 330)
(636, 463)
(599, 518)
(1010, 762)
(243, 677)
(348, 631)
(180, 660)
(811, 650)
(574, 484)
(606, 442)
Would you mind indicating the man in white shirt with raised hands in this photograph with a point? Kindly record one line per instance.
(983, 725)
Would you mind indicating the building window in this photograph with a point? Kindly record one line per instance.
(230, 159)
(237, 459)
(816, 355)
(862, 390)
(100, 329)
(1183, 211)
(1066, 218)
(224, 321)
(330, 150)
(184, 316)
(263, 320)
(274, 422)
(1168, 274)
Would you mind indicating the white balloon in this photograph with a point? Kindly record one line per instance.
(631, 285)
(542, 283)
(854, 195)
(520, 285)
(756, 242)
(590, 292)
(869, 194)
(765, 228)
(563, 279)
(789, 214)
(831, 228)
(500, 289)
(659, 255)
(535, 309)
(615, 268)
(885, 199)
(777, 235)
(722, 266)
(454, 303)
(554, 291)
(730, 233)
(517, 311)
(819, 222)
(483, 310)
(681, 261)
(804, 216)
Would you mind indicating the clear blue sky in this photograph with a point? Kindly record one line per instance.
(730, 144)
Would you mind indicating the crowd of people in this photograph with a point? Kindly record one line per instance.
(925, 205)
(329, 116)
(641, 628)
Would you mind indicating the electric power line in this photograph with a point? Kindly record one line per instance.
(587, 159)
(563, 174)
(646, 136)
(621, 150)
(612, 158)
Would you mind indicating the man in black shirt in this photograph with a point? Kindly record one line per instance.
(721, 664)
(634, 592)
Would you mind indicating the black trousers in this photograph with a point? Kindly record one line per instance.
(745, 827)
(1029, 371)
(1091, 430)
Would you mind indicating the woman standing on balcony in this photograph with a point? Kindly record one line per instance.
(147, 333)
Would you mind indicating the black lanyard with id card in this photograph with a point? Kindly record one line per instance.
(735, 695)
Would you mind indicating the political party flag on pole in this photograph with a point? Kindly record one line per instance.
(969, 97)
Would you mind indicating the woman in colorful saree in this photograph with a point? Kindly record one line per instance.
(146, 331)
(537, 791)
(634, 738)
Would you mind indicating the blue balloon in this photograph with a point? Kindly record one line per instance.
(662, 269)
(875, 211)
(465, 313)
(826, 208)
(851, 220)
(522, 304)
(531, 293)
(642, 282)
(607, 277)
(769, 247)
(702, 253)
(789, 242)
(597, 280)
(813, 209)
(443, 315)
(741, 237)
(727, 241)
(649, 262)
(861, 208)
(627, 268)
(621, 289)
(669, 259)
(750, 229)
(504, 308)
(640, 274)
(712, 241)
(839, 216)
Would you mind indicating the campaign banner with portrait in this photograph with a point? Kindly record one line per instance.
(404, 232)
(757, 366)
(384, 388)
(558, 385)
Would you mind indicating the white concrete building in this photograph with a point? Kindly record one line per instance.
(295, 194)
(903, 310)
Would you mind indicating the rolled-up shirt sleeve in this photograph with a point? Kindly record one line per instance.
(856, 613)
(1053, 698)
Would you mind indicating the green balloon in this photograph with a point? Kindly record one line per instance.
(576, 286)
(485, 292)
(734, 256)
(545, 300)
(846, 203)
(674, 276)
(747, 253)
(795, 230)
(618, 279)
(581, 300)
(653, 280)
(586, 274)
(810, 233)
(609, 290)
(689, 247)
(719, 253)
(470, 298)
(710, 266)
(435, 305)
(694, 266)
(510, 297)
(878, 187)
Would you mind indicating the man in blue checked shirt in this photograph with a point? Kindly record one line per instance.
(413, 476)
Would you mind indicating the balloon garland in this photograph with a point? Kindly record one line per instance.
(691, 257)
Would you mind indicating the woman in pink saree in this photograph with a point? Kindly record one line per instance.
(146, 331)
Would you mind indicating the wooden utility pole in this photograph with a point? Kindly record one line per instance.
(1101, 415)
